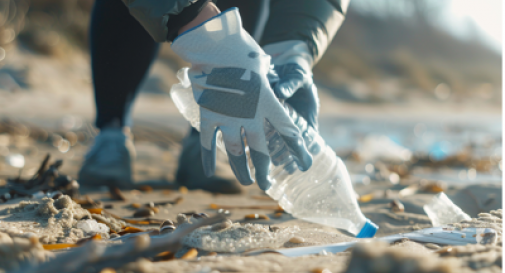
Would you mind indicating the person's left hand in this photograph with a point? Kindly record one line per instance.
(291, 78)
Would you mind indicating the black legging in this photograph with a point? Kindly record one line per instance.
(122, 52)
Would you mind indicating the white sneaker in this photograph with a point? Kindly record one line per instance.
(109, 161)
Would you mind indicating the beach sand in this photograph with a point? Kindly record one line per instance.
(47, 112)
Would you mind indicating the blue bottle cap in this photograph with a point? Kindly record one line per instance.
(368, 230)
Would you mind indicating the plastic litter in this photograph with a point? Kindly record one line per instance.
(442, 211)
(92, 226)
(15, 160)
(440, 150)
(238, 238)
(444, 236)
(376, 147)
(323, 194)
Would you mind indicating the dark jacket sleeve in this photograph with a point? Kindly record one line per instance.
(153, 15)
(163, 18)
(313, 21)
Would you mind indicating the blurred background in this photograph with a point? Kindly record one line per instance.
(415, 84)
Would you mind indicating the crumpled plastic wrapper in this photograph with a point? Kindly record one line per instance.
(442, 211)
(238, 237)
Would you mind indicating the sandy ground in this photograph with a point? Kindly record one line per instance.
(377, 210)
(66, 104)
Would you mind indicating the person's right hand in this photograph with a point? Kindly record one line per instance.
(229, 81)
(291, 79)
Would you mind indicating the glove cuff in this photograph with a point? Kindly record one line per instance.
(293, 51)
(221, 42)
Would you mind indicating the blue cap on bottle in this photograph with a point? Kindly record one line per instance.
(368, 230)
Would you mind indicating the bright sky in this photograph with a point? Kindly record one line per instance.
(485, 14)
(463, 18)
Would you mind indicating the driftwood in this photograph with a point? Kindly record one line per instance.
(47, 178)
(94, 256)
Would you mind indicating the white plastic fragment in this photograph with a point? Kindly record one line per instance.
(92, 226)
(382, 147)
(238, 238)
(437, 235)
(442, 211)
(15, 160)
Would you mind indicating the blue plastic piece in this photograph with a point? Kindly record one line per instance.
(368, 230)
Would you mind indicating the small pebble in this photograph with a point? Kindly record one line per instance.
(136, 205)
(297, 240)
(223, 225)
(432, 246)
(200, 215)
(167, 222)
(144, 212)
(167, 226)
(397, 206)
(181, 218)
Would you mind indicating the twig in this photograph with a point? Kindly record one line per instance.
(116, 194)
(43, 167)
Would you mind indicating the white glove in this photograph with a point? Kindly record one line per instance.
(229, 81)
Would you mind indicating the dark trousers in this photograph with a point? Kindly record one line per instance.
(122, 53)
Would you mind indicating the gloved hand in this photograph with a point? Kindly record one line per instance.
(293, 65)
(229, 81)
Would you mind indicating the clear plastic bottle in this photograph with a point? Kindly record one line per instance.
(323, 194)
(442, 211)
